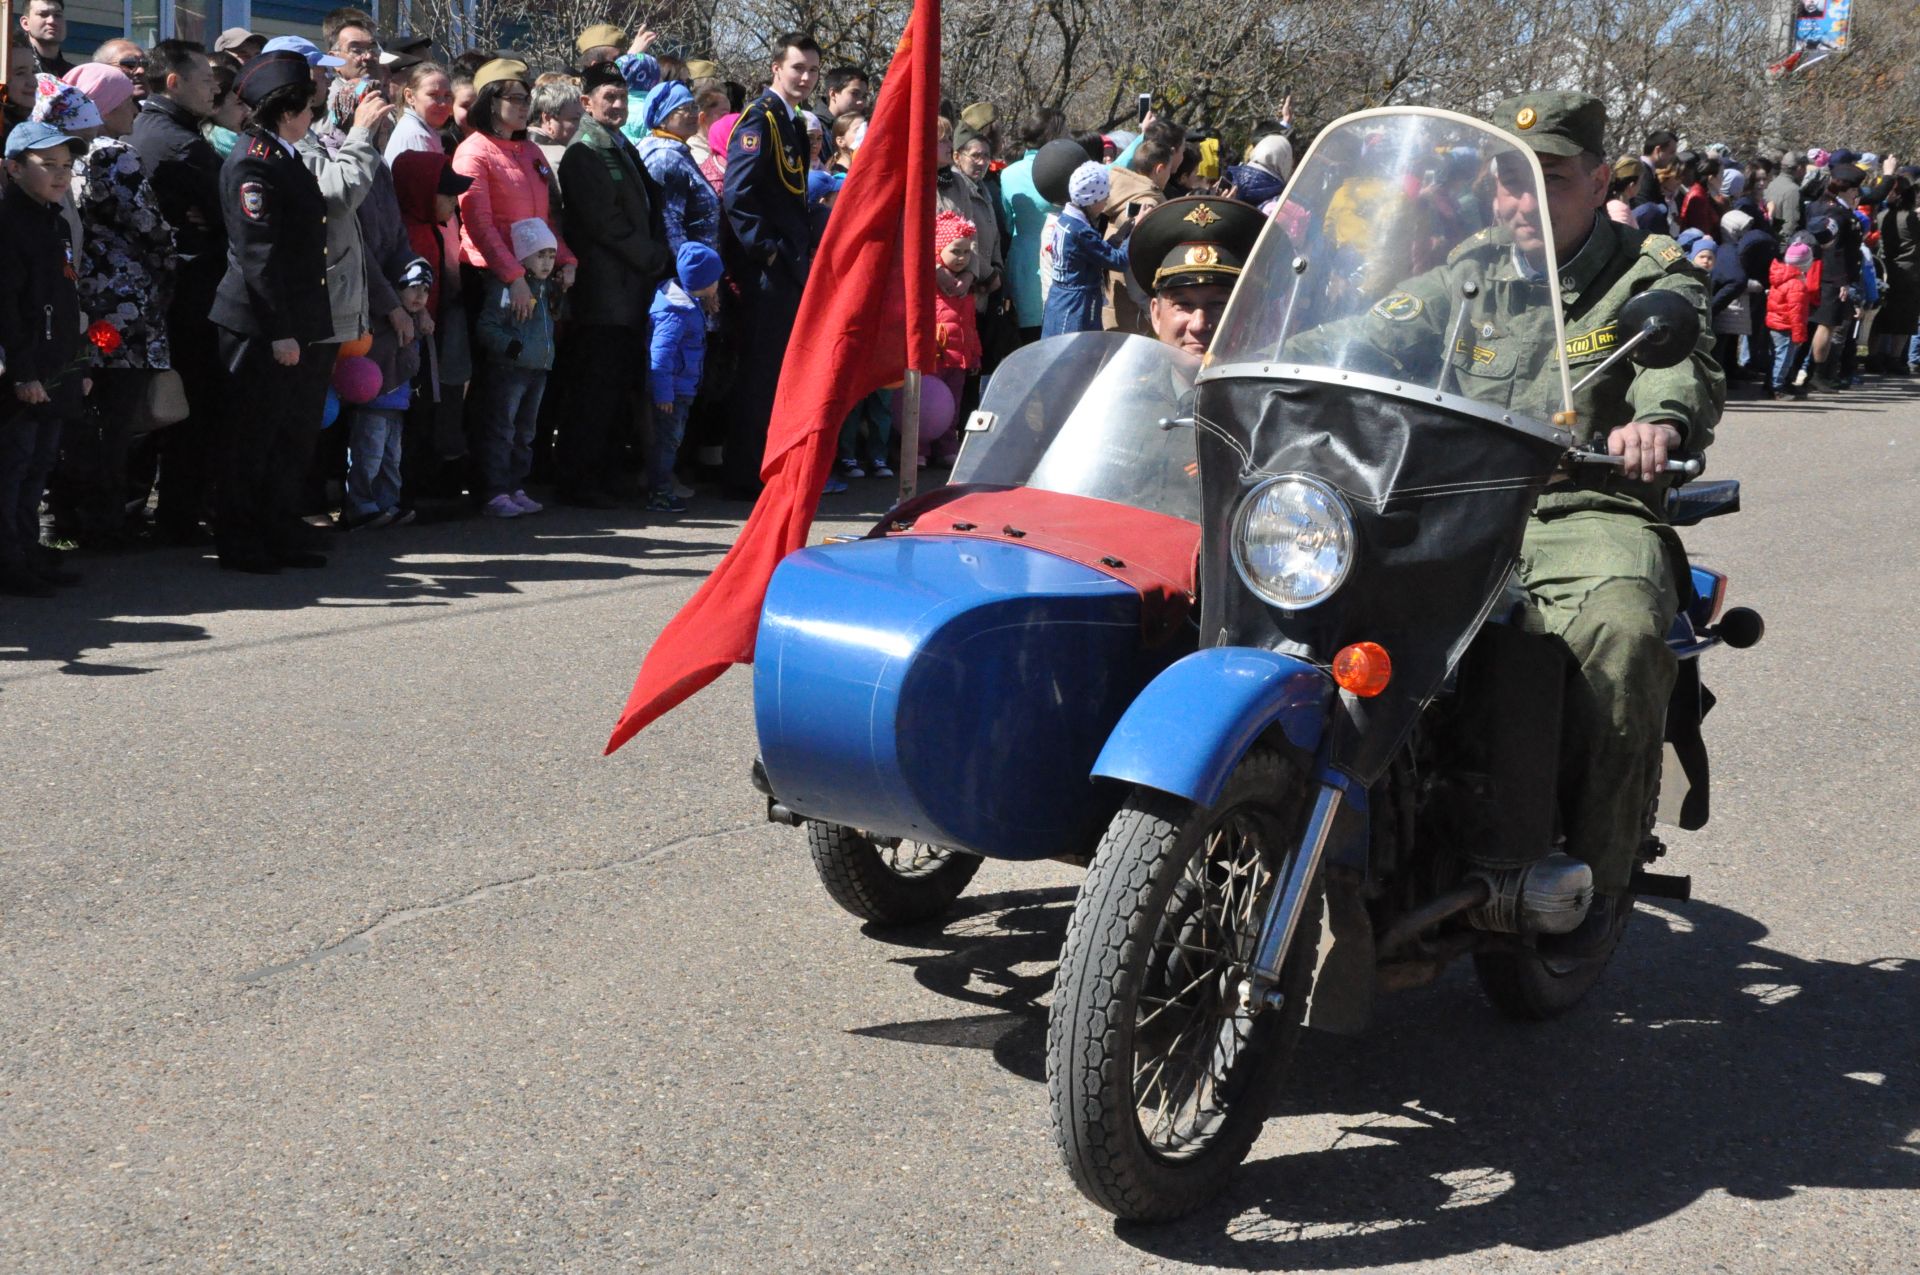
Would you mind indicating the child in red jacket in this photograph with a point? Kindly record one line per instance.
(956, 330)
(1787, 308)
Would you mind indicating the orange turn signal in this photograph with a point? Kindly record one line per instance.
(1363, 669)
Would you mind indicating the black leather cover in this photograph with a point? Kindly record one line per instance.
(1439, 500)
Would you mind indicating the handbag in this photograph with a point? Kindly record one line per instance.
(166, 402)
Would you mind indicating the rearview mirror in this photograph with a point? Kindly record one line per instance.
(1667, 325)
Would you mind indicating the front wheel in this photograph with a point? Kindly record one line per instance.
(896, 883)
(1159, 1079)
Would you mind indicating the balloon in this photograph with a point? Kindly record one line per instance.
(356, 347)
(936, 408)
(357, 379)
(331, 412)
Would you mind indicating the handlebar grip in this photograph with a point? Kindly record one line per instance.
(1691, 467)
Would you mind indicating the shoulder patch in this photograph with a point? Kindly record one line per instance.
(1400, 307)
(750, 141)
(1666, 253)
(253, 201)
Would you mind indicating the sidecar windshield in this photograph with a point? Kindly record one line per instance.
(1411, 245)
(1090, 414)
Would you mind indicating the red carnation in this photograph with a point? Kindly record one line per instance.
(105, 337)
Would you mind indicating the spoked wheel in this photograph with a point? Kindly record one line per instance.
(1159, 1077)
(1532, 987)
(887, 881)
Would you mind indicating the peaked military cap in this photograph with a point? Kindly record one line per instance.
(1555, 123)
(1199, 239)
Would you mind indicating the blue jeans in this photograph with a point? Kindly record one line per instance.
(373, 460)
(1784, 354)
(510, 408)
(668, 430)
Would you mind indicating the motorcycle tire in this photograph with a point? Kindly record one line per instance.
(888, 884)
(1532, 988)
(1133, 932)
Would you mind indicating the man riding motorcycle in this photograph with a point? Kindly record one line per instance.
(1599, 563)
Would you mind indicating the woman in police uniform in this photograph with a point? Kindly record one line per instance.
(271, 310)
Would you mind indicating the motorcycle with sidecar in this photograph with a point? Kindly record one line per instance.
(1244, 637)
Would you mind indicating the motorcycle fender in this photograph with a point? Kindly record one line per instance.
(1186, 732)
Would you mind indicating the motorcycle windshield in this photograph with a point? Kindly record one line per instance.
(1089, 414)
(1412, 245)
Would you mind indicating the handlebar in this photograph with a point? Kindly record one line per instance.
(1692, 467)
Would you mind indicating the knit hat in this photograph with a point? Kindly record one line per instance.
(1799, 253)
(1089, 186)
(108, 86)
(530, 235)
(1690, 238)
(415, 274)
(62, 105)
(663, 99)
(1703, 244)
(1734, 223)
(1817, 157)
(696, 265)
(949, 226)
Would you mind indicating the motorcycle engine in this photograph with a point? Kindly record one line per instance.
(1547, 896)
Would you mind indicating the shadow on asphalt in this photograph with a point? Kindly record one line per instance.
(1706, 1061)
(130, 598)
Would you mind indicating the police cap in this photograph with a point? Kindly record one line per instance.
(269, 71)
(1199, 239)
(1556, 123)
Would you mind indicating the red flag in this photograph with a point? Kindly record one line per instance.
(848, 341)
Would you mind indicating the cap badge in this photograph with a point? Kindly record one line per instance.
(1202, 216)
(1527, 117)
(1202, 254)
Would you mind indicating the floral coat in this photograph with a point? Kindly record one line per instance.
(126, 269)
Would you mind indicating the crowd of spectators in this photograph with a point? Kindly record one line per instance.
(258, 296)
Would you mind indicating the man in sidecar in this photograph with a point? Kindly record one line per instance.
(1186, 255)
(1599, 562)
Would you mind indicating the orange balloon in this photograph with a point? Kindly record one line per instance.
(358, 346)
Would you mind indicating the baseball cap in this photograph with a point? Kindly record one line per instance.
(233, 38)
(304, 47)
(36, 136)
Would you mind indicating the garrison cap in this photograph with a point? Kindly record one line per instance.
(1555, 123)
(599, 36)
(1199, 239)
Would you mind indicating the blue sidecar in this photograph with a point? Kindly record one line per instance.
(940, 690)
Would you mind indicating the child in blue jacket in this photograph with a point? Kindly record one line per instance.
(1078, 258)
(679, 351)
(518, 354)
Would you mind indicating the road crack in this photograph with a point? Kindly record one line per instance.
(363, 940)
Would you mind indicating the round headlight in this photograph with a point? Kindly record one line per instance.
(1293, 541)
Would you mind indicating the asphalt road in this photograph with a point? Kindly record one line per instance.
(329, 942)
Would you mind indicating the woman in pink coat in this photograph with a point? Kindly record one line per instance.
(511, 182)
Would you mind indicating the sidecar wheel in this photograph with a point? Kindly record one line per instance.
(895, 884)
(1158, 1078)
(1533, 988)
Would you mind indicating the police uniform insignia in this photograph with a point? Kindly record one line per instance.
(259, 148)
(1527, 117)
(1202, 254)
(1400, 307)
(1202, 216)
(750, 142)
(253, 200)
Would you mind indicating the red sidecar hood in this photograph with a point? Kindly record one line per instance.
(1157, 554)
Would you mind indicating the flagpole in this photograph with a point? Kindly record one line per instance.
(909, 433)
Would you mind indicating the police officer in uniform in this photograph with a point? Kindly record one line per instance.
(272, 312)
(1187, 254)
(767, 245)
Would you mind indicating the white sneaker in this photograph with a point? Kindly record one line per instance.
(527, 504)
(681, 491)
(501, 506)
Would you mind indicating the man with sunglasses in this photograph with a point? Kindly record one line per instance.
(130, 58)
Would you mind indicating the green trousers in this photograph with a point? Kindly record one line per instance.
(1599, 569)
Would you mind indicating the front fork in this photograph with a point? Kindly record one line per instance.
(1260, 989)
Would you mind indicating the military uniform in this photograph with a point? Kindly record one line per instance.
(275, 289)
(767, 244)
(1192, 242)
